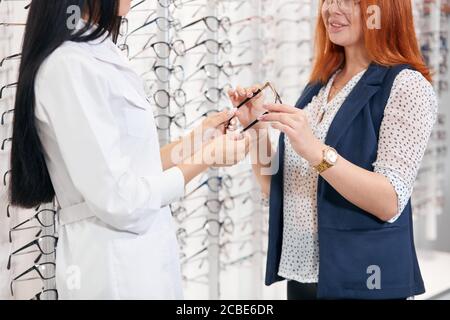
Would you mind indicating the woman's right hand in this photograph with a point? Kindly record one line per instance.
(248, 113)
(226, 150)
(222, 151)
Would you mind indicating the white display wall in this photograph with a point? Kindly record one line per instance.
(186, 69)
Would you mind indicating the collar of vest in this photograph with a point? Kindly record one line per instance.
(365, 89)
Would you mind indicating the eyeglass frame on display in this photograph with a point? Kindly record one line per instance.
(35, 267)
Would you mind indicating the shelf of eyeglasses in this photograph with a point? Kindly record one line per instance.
(443, 86)
(173, 5)
(183, 213)
(441, 61)
(163, 50)
(203, 104)
(424, 208)
(176, 49)
(179, 120)
(178, 46)
(199, 260)
(204, 229)
(13, 59)
(40, 218)
(217, 208)
(220, 182)
(7, 90)
(5, 146)
(241, 233)
(201, 99)
(176, 74)
(442, 71)
(229, 250)
(222, 5)
(434, 168)
(147, 20)
(203, 277)
(199, 257)
(43, 246)
(41, 225)
(43, 273)
(25, 4)
(12, 26)
(428, 192)
(213, 207)
(426, 11)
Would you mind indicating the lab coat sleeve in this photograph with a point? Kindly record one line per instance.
(76, 102)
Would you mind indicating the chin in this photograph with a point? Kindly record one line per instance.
(342, 41)
(124, 8)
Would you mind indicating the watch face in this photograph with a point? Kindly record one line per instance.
(331, 156)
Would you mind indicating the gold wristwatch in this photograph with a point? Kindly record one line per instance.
(330, 157)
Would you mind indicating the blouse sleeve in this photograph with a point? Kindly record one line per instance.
(408, 120)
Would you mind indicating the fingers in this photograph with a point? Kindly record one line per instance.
(255, 88)
(234, 95)
(239, 92)
(220, 118)
(284, 118)
(281, 108)
(233, 125)
(284, 128)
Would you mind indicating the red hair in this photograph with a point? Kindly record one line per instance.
(395, 43)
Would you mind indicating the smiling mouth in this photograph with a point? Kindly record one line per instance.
(337, 25)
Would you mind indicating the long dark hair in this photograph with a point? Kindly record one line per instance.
(47, 28)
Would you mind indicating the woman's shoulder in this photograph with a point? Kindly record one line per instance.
(410, 78)
(68, 57)
(413, 89)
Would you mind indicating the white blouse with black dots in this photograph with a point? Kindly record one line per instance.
(408, 120)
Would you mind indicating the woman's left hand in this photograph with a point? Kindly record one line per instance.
(294, 123)
(214, 125)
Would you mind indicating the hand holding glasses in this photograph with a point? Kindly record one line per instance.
(253, 99)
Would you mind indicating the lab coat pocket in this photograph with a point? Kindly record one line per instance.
(145, 267)
(137, 116)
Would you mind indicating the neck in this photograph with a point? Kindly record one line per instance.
(356, 59)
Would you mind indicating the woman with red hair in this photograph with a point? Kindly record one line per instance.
(340, 204)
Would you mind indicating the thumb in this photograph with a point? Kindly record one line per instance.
(222, 117)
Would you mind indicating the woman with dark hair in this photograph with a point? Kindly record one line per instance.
(340, 209)
(85, 133)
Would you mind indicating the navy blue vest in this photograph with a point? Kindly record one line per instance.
(353, 244)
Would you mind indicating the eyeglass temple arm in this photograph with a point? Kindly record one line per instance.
(22, 223)
(141, 27)
(24, 247)
(195, 46)
(24, 273)
(192, 23)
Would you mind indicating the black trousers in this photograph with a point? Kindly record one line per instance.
(301, 291)
(305, 291)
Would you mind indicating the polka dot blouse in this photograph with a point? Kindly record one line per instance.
(408, 120)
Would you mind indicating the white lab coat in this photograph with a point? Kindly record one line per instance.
(116, 234)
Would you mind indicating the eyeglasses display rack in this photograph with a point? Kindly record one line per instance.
(188, 54)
